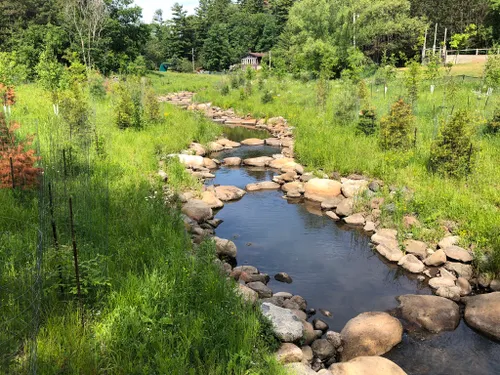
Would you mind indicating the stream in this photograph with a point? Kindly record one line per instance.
(334, 268)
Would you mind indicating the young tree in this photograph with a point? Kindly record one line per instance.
(452, 152)
(412, 80)
(87, 18)
(492, 73)
(397, 127)
(50, 72)
(433, 70)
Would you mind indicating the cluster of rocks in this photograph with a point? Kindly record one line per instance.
(277, 126)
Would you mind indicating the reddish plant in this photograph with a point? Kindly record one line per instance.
(8, 95)
(17, 159)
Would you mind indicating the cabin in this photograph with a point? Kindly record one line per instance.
(252, 60)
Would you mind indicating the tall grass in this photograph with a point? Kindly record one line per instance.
(152, 303)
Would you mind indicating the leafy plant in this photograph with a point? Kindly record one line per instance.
(152, 106)
(75, 110)
(412, 80)
(367, 123)
(50, 72)
(129, 111)
(493, 125)
(96, 85)
(267, 97)
(344, 103)
(397, 126)
(452, 152)
(492, 72)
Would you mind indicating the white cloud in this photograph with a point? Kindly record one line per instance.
(150, 6)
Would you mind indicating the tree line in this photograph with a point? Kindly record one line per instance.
(317, 36)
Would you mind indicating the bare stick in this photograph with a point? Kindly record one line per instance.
(12, 174)
(75, 258)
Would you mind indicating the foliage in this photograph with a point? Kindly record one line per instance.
(267, 97)
(17, 159)
(462, 40)
(216, 55)
(137, 67)
(493, 125)
(432, 71)
(362, 92)
(129, 110)
(11, 71)
(492, 71)
(367, 123)
(412, 80)
(345, 101)
(452, 152)
(152, 106)
(96, 85)
(397, 127)
(50, 72)
(75, 110)
(322, 91)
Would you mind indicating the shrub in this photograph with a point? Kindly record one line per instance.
(412, 80)
(137, 67)
(129, 106)
(362, 92)
(344, 104)
(322, 91)
(75, 110)
(152, 106)
(397, 126)
(452, 151)
(267, 97)
(250, 74)
(237, 80)
(493, 125)
(21, 172)
(243, 94)
(96, 85)
(367, 123)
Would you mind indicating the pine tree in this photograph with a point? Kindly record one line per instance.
(397, 126)
(452, 151)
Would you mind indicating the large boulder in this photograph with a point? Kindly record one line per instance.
(440, 282)
(225, 247)
(209, 163)
(252, 142)
(260, 161)
(264, 185)
(457, 253)
(197, 210)
(289, 353)
(345, 207)
(293, 186)
(281, 162)
(286, 325)
(209, 198)
(391, 253)
(433, 313)
(229, 193)
(448, 241)
(215, 147)
(387, 244)
(411, 263)
(247, 294)
(370, 333)
(482, 312)
(323, 349)
(320, 189)
(417, 248)
(356, 219)
(366, 366)
(198, 149)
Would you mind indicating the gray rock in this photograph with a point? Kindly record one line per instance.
(436, 259)
(283, 294)
(232, 161)
(319, 324)
(277, 301)
(247, 269)
(225, 247)
(299, 369)
(457, 253)
(289, 353)
(438, 282)
(448, 241)
(411, 263)
(332, 215)
(369, 227)
(392, 254)
(482, 312)
(286, 326)
(372, 365)
(262, 289)
(307, 354)
(334, 338)
(374, 186)
(345, 207)
(283, 277)
(322, 349)
(463, 270)
(417, 248)
(332, 203)
(301, 302)
(495, 285)
(484, 280)
(435, 314)
(247, 294)
(229, 193)
(197, 210)
(450, 292)
(265, 185)
(464, 285)
(356, 219)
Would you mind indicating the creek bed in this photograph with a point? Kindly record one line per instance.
(334, 268)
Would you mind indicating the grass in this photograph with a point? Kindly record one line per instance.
(153, 303)
(323, 142)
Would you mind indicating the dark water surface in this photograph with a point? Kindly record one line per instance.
(334, 268)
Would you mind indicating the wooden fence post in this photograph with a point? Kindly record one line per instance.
(75, 258)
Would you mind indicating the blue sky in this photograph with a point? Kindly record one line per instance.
(149, 7)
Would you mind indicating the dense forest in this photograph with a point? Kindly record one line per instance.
(306, 35)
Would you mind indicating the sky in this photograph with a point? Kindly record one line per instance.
(150, 6)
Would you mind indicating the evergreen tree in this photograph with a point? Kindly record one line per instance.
(396, 127)
(216, 49)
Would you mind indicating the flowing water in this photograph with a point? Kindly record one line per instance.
(334, 268)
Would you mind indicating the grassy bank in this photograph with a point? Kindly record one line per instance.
(469, 206)
(151, 302)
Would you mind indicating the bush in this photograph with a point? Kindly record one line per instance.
(367, 123)
(412, 80)
(97, 89)
(237, 80)
(493, 125)
(152, 106)
(267, 97)
(363, 92)
(397, 126)
(75, 110)
(451, 153)
(344, 104)
(129, 106)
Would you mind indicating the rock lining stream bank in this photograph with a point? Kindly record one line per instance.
(447, 267)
